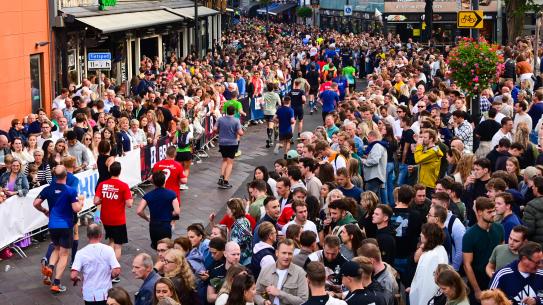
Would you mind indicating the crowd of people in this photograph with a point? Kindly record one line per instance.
(401, 196)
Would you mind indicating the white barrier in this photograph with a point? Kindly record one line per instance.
(18, 215)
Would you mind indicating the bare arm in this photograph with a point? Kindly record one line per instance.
(490, 269)
(141, 210)
(468, 259)
(176, 209)
(129, 202)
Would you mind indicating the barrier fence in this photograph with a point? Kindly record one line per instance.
(18, 217)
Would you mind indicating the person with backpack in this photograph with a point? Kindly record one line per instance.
(455, 228)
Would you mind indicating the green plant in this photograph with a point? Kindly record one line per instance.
(475, 65)
(304, 12)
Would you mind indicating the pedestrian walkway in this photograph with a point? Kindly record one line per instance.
(21, 283)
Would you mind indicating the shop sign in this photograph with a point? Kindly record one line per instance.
(396, 18)
(102, 4)
(99, 61)
(416, 32)
(470, 19)
(447, 6)
(348, 10)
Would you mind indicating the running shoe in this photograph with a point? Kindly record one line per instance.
(46, 271)
(267, 143)
(116, 280)
(225, 185)
(221, 181)
(238, 153)
(58, 289)
(47, 281)
(183, 187)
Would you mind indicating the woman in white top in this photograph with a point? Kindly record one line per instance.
(429, 255)
(20, 154)
(137, 133)
(87, 141)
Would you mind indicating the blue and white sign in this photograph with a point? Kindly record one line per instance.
(348, 10)
(101, 60)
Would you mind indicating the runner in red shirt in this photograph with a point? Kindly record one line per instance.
(175, 175)
(114, 196)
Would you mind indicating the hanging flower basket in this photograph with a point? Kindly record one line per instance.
(475, 65)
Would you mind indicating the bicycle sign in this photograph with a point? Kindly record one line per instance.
(470, 19)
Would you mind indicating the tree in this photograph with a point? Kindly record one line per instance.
(515, 10)
(304, 12)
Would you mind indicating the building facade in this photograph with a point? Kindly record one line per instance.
(25, 58)
(406, 18)
(131, 31)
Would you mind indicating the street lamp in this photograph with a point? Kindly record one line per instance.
(428, 18)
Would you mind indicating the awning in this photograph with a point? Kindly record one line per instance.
(275, 9)
(188, 12)
(127, 21)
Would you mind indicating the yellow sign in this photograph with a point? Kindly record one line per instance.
(416, 32)
(470, 19)
(424, 25)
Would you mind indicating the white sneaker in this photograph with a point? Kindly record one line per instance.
(183, 187)
(276, 149)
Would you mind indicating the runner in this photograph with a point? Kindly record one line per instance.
(63, 202)
(229, 130)
(114, 196)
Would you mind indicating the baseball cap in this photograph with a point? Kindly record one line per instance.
(148, 72)
(351, 269)
(292, 154)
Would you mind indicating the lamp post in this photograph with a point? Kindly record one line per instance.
(428, 18)
(196, 30)
(538, 20)
(475, 7)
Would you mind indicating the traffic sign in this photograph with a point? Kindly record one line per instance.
(348, 10)
(470, 19)
(100, 60)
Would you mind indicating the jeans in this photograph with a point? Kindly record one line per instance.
(402, 174)
(374, 185)
(533, 137)
(391, 176)
(405, 177)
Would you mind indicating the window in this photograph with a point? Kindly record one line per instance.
(36, 89)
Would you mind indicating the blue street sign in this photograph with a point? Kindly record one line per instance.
(99, 56)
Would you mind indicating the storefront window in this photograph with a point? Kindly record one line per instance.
(36, 90)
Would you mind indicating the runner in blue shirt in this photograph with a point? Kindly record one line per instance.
(284, 116)
(342, 85)
(329, 99)
(63, 202)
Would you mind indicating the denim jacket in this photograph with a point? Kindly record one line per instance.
(21, 183)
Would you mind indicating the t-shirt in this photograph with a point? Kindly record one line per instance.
(348, 72)
(236, 105)
(285, 115)
(407, 137)
(329, 100)
(173, 171)
(114, 194)
(59, 198)
(228, 130)
(160, 205)
(281, 274)
(296, 96)
(407, 224)
(480, 243)
(354, 192)
(342, 85)
(95, 262)
(502, 256)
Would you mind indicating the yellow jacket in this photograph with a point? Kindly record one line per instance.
(429, 161)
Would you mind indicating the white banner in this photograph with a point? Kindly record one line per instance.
(18, 215)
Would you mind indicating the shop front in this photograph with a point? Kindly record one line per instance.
(357, 23)
(406, 19)
(362, 19)
(130, 37)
